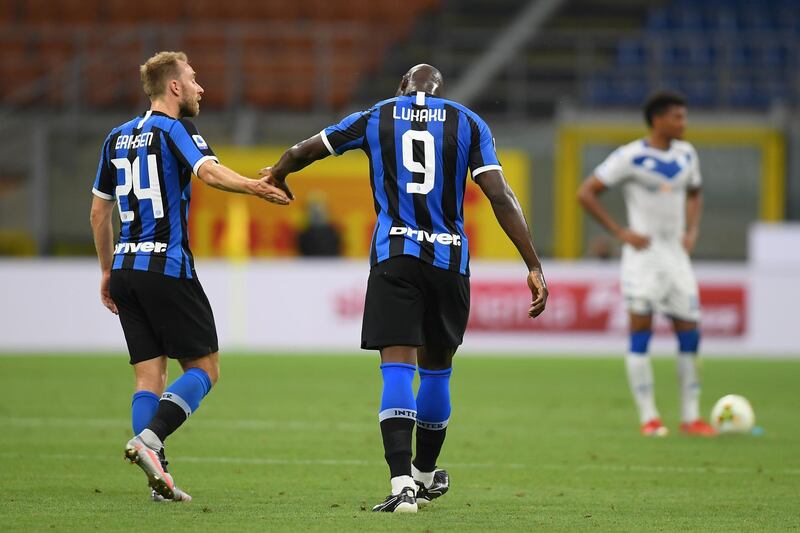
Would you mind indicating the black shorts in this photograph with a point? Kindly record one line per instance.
(162, 315)
(412, 303)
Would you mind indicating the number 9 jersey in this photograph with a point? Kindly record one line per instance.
(146, 166)
(419, 147)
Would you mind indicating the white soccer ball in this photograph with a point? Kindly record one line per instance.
(733, 414)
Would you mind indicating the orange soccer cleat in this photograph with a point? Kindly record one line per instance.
(654, 428)
(699, 427)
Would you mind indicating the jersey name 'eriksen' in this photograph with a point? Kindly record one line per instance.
(130, 142)
(419, 115)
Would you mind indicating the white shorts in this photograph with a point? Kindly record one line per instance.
(660, 279)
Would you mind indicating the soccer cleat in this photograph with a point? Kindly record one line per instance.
(180, 496)
(404, 502)
(138, 453)
(440, 485)
(699, 427)
(654, 428)
(162, 458)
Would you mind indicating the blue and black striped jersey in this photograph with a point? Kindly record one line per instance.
(419, 147)
(146, 166)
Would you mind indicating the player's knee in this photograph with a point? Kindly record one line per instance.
(640, 341)
(688, 340)
(436, 357)
(151, 379)
(208, 364)
(213, 375)
(212, 369)
(154, 384)
(399, 354)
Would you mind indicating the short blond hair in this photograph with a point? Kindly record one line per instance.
(158, 70)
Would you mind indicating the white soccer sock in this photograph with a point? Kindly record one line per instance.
(640, 379)
(690, 387)
(151, 440)
(401, 482)
(426, 478)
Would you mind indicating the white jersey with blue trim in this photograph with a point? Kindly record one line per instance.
(654, 184)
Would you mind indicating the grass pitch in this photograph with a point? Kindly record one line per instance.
(288, 443)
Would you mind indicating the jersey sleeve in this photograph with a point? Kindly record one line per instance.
(695, 178)
(614, 169)
(104, 183)
(482, 153)
(347, 134)
(189, 146)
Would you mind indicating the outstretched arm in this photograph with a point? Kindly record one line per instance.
(223, 178)
(509, 214)
(588, 197)
(294, 159)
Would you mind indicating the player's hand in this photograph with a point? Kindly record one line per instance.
(105, 293)
(539, 293)
(638, 241)
(266, 174)
(270, 193)
(689, 241)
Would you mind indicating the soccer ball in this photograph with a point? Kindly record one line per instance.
(733, 414)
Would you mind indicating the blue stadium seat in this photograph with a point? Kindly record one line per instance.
(777, 55)
(700, 90)
(755, 43)
(631, 52)
(659, 20)
(599, 91)
(702, 53)
(744, 54)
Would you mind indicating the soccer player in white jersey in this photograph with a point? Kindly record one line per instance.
(660, 180)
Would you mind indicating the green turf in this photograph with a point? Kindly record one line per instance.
(291, 444)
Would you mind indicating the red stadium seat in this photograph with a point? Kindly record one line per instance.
(308, 49)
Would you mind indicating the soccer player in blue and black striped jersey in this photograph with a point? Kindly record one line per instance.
(420, 147)
(148, 278)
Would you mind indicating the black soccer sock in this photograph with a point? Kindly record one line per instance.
(180, 400)
(169, 417)
(397, 433)
(429, 446)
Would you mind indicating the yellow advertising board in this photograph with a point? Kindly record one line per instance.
(237, 226)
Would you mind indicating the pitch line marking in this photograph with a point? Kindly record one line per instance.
(242, 460)
(357, 462)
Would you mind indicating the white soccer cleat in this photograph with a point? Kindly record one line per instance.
(138, 453)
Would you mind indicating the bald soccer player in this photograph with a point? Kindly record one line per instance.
(420, 147)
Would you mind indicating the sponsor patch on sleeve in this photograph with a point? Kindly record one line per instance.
(200, 142)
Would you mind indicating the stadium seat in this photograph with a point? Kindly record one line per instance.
(754, 43)
(631, 52)
(77, 11)
(130, 32)
(120, 12)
